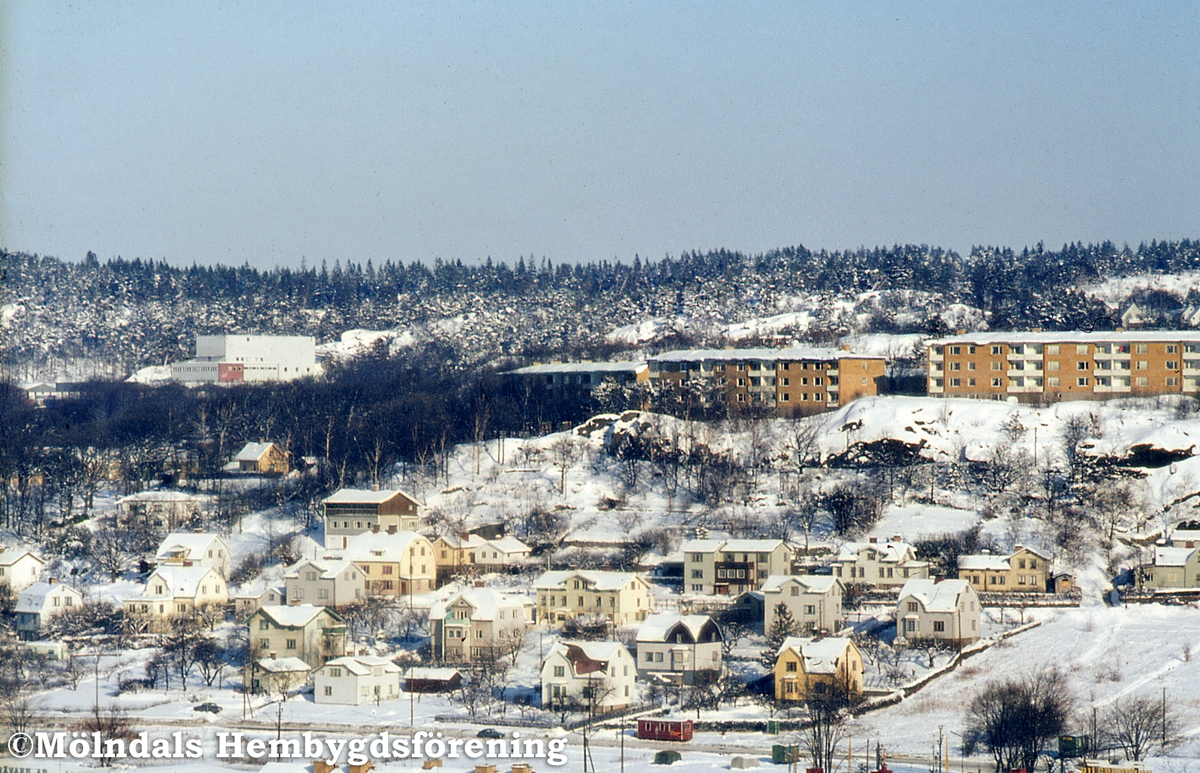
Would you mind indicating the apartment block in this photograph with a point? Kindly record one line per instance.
(793, 381)
(350, 512)
(1039, 367)
(732, 567)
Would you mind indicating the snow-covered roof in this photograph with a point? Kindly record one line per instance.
(588, 657)
(935, 596)
(363, 496)
(599, 580)
(187, 544)
(580, 367)
(33, 599)
(815, 583)
(297, 616)
(371, 546)
(283, 665)
(889, 552)
(1173, 556)
(820, 655)
(485, 603)
(656, 627)
(731, 545)
(1069, 337)
(11, 557)
(362, 665)
(508, 544)
(329, 568)
(164, 496)
(762, 354)
(437, 674)
(181, 581)
(981, 563)
(252, 452)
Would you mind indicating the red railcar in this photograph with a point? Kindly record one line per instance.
(665, 729)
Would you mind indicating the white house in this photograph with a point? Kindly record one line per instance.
(931, 610)
(479, 624)
(183, 548)
(680, 649)
(594, 676)
(881, 564)
(351, 680)
(19, 569)
(495, 555)
(246, 604)
(41, 601)
(279, 675)
(815, 601)
(324, 582)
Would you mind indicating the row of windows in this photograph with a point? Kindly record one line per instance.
(1055, 381)
(998, 349)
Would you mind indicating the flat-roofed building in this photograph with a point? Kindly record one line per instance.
(797, 380)
(234, 359)
(1038, 367)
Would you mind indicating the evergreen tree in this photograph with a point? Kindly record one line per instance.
(783, 626)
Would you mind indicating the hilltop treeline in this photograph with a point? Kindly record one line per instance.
(132, 313)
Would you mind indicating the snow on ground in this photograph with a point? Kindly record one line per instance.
(152, 374)
(917, 522)
(356, 342)
(1115, 291)
(792, 321)
(641, 332)
(884, 344)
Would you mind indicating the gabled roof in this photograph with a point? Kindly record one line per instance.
(362, 665)
(812, 583)
(981, 563)
(485, 603)
(364, 496)
(187, 544)
(555, 579)
(33, 599)
(889, 552)
(329, 568)
(820, 655)
(508, 544)
(731, 545)
(283, 665)
(1173, 556)
(252, 452)
(658, 627)
(372, 546)
(936, 596)
(298, 616)
(181, 581)
(10, 557)
(587, 657)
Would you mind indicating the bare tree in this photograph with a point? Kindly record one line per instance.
(1141, 725)
(565, 453)
(509, 642)
(1016, 719)
(110, 724)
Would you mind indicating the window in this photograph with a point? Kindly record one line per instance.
(1052, 381)
(1051, 348)
(912, 606)
(290, 644)
(795, 591)
(790, 665)
(996, 350)
(785, 398)
(1052, 365)
(1142, 381)
(956, 366)
(1172, 348)
(996, 366)
(939, 626)
(1081, 349)
(560, 671)
(1143, 365)
(955, 382)
(328, 690)
(970, 382)
(1082, 365)
(1142, 348)
(1082, 381)
(997, 382)
(1172, 364)
(810, 609)
(1171, 381)
(956, 350)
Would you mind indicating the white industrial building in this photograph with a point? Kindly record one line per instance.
(233, 359)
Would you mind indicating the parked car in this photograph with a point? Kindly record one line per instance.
(488, 732)
(212, 708)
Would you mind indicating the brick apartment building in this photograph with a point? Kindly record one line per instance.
(1040, 367)
(797, 380)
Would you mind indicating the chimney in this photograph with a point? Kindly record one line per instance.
(874, 540)
(480, 584)
(53, 580)
(1017, 548)
(897, 538)
(271, 655)
(938, 578)
(960, 332)
(985, 552)
(845, 347)
(1189, 545)
(375, 529)
(374, 486)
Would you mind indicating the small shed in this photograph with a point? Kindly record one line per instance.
(741, 762)
(432, 679)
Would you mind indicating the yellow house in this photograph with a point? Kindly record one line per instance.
(623, 597)
(1025, 571)
(809, 669)
(310, 633)
(397, 564)
(262, 458)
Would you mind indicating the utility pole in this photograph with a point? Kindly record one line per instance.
(621, 731)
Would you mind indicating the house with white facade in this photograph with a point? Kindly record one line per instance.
(622, 597)
(880, 564)
(324, 582)
(679, 649)
(479, 624)
(183, 548)
(173, 592)
(814, 601)
(19, 569)
(732, 567)
(236, 359)
(161, 509)
(276, 676)
(594, 676)
(500, 554)
(246, 604)
(41, 601)
(353, 680)
(946, 611)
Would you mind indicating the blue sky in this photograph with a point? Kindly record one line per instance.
(262, 132)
